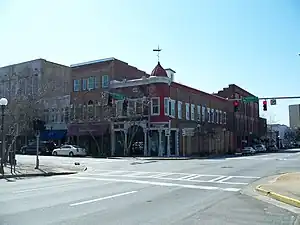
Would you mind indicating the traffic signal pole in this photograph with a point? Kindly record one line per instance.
(266, 98)
(37, 161)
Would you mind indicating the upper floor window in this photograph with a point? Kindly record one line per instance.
(217, 116)
(105, 81)
(76, 85)
(192, 112)
(155, 108)
(91, 83)
(203, 113)
(97, 82)
(84, 84)
(208, 115)
(166, 106)
(220, 116)
(187, 111)
(198, 112)
(172, 109)
(179, 109)
(224, 118)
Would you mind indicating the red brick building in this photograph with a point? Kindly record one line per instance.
(160, 117)
(181, 120)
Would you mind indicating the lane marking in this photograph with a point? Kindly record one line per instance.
(159, 175)
(160, 184)
(103, 198)
(224, 179)
(217, 178)
(188, 177)
(53, 186)
(192, 178)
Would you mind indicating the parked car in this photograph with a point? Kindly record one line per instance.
(248, 151)
(45, 148)
(260, 148)
(69, 150)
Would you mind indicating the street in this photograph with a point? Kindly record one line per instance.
(132, 191)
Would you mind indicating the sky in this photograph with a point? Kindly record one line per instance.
(210, 44)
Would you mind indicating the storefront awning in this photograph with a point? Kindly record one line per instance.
(53, 134)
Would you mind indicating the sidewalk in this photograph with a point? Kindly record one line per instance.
(285, 188)
(28, 170)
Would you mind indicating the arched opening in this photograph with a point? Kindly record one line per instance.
(135, 141)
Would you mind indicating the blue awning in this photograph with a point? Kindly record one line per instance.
(53, 134)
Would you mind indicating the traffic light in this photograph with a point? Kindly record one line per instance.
(265, 105)
(38, 125)
(110, 100)
(236, 106)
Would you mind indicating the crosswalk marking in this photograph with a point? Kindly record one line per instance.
(186, 177)
(164, 184)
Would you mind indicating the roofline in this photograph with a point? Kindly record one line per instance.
(196, 90)
(92, 62)
(171, 70)
(29, 61)
(234, 85)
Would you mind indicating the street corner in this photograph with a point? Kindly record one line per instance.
(36, 174)
(284, 188)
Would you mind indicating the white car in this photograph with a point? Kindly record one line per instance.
(248, 150)
(260, 148)
(69, 150)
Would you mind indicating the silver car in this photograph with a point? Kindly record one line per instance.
(248, 151)
(260, 148)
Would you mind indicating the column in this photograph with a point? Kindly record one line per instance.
(177, 143)
(125, 143)
(113, 142)
(145, 143)
(168, 143)
(159, 142)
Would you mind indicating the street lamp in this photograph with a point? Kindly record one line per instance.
(3, 103)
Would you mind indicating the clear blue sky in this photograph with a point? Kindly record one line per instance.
(210, 44)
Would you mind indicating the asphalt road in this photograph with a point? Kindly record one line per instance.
(134, 192)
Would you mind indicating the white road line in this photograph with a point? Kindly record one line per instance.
(160, 175)
(103, 198)
(224, 179)
(188, 177)
(160, 184)
(192, 178)
(47, 187)
(217, 178)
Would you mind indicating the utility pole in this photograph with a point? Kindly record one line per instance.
(37, 161)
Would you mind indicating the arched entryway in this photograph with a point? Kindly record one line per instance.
(135, 141)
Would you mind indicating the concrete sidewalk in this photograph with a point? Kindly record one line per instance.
(284, 188)
(28, 170)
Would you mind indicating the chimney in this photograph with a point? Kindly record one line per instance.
(170, 73)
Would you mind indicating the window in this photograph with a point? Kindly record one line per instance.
(179, 109)
(208, 115)
(220, 116)
(96, 82)
(84, 84)
(91, 83)
(217, 116)
(166, 106)
(173, 112)
(187, 111)
(155, 106)
(198, 112)
(76, 85)
(105, 81)
(224, 118)
(203, 113)
(192, 112)
(212, 115)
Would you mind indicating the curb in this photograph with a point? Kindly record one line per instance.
(36, 174)
(278, 197)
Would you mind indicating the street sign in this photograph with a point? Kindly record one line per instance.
(250, 99)
(273, 101)
(117, 96)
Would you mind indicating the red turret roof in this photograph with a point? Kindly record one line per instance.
(159, 71)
